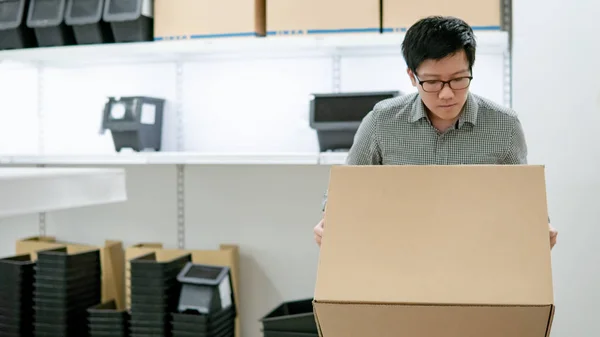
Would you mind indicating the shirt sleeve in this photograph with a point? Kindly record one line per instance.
(517, 148)
(365, 148)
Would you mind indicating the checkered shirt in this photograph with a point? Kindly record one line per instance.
(398, 132)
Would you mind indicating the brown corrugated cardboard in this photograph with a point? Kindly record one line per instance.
(191, 19)
(298, 17)
(111, 259)
(435, 251)
(399, 15)
(226, 255)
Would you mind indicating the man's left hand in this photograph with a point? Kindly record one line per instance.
(553, 235)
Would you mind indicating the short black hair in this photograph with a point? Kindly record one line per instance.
(436, 37)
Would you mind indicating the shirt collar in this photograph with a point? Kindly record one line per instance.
(468, 114)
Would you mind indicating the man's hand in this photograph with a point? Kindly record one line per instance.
(319, 228)
(553, 235)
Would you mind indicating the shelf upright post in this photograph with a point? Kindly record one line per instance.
(180, 147)
(507, 71)
(41, 133)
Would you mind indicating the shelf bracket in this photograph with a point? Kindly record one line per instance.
(180, 206)
(336, 70)
(41, 134)
(507, 67)
(179, 105)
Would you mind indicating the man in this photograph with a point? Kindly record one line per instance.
(442, 124)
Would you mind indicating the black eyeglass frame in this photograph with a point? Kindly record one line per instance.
(449, 83)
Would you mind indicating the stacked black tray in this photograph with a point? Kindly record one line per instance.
(218, 324)
(16, 296)
(291, 319)
(105, 320)
(66, 285)
(154, 294)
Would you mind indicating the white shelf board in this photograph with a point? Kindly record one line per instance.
(32, 190)
(173, 158)
(333, 158)
(271, 46)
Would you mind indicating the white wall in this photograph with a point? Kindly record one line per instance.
(557, 93)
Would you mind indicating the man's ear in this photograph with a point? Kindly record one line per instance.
(412, 77)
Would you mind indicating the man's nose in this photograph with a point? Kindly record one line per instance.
(446, 93)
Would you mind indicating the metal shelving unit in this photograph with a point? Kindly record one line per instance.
(178, 52)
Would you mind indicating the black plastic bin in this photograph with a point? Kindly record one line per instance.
(14, 33)
(135, 122)
(154, 294)
(106, 320)
(16, 296)
(130, 20)
(291, 317)
(85, 17)
(46, 17)
(66, 286)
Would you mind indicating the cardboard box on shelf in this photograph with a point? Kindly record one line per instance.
(299, 17)
(399, 15)
(226, 255)
(112, 260)
(191, 19)
(444, 251)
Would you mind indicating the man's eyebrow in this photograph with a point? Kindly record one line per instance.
(436, 75)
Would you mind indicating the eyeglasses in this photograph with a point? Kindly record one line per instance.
(437, 85)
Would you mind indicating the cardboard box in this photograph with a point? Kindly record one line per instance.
(298, 17)
(112, 261)
(193, 19)
(399, 15)
(433, 251)
(227, 255)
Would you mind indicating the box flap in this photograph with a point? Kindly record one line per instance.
(436, 235)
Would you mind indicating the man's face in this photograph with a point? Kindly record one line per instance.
(447, 103)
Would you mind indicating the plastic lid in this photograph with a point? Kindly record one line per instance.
(11, 13)
(81, 12)
(46, 13)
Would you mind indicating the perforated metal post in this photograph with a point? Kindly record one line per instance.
(179, 106)
(180, 147)
(336, 73)
(41, 134)
(181, 206)
(507, 71)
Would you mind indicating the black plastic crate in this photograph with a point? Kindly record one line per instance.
(85, 17)
(204, 324)
(16, 295)
(107, 312)
(106, 320)
(62, 258)
(46, 17)
(14, 33)
(130, 20)
(293, 316)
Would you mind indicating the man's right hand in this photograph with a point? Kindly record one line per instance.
(319, 228)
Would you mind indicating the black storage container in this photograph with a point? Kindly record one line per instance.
(47, 18)
(14, 33)
(130, 20)
(66, 285)
(16, 296)
(336, 117)
(154, 294)
(135, 122)
(106, 320)
(294, 318)
(85, 17)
